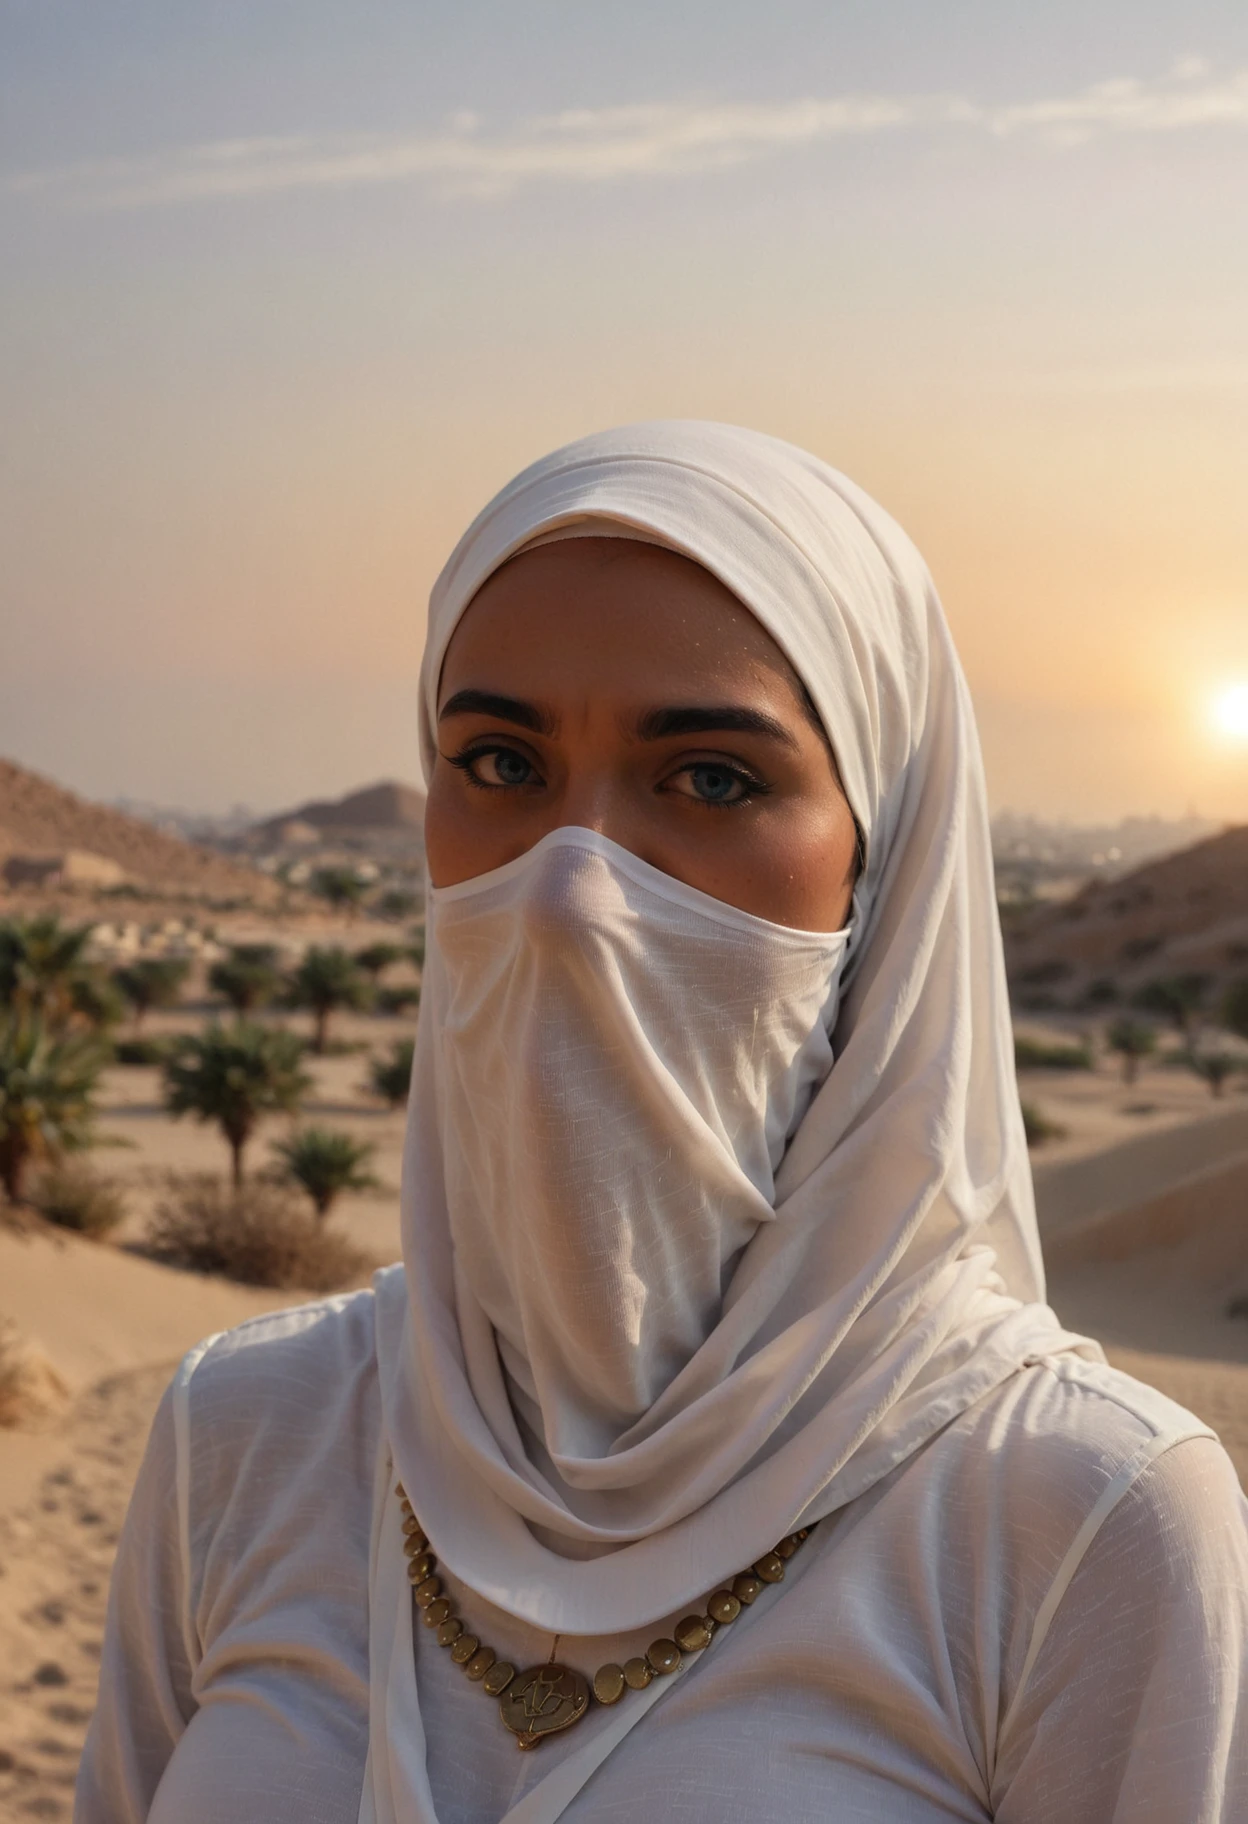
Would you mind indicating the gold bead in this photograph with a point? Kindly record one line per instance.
(723, 1606)
(421, 1565)
(410, 1524)
(480, 1663)
(498, 1678)
(426, 1592)
(436, 1613)
(637, 1674)
(464, 1648)
(450, 1631)
(693, 1633)
(770, 1567)
(746, 1587)
(786, 1547)
(609, 1683)
(663, 1654)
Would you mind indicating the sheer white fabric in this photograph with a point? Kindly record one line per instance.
(1040, 1617)
(896, 1276)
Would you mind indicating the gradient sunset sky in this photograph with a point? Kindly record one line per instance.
(288, 289)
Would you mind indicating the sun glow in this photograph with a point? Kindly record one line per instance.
(1230, 712)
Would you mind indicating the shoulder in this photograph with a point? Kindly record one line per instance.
(1013, 1493)
(288, 1401)
(1072, 1434)
(283, 1355)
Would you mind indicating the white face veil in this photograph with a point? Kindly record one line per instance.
(593, 1449)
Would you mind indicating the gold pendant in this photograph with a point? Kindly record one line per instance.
(542, 1700)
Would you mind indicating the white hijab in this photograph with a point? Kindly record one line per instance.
(887, 1272)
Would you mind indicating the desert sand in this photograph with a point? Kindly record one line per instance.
(1152, 1277)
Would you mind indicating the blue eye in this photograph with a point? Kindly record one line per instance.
(495, 768)
(508, 768)
(715, 784)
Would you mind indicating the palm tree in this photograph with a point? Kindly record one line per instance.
(375, 959)
(41, 960)
(1235, 1007)
(325, 1162)
(398, 903)
(152, 981)
(390, 1078)
(342, 887)
(1214, 1066)
(1132, 1040)
(248, 977)
(47, 1085)
(1177, 998)
(326, 979)
(234, 1075)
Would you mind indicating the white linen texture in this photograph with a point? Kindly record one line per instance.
(895, 1276)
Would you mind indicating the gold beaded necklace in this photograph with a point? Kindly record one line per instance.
(544, 1699)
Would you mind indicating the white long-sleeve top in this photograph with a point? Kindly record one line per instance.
(1040, 1618)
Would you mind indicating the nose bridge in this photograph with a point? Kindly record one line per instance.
(597, 792)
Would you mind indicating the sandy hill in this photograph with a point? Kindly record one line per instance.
(386, 806)
(38, 817)
(1188, 911)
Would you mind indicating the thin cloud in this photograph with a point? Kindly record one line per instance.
(604, 145)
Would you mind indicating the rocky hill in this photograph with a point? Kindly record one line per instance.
(1186, 912)
(40, 818)
(386, 806)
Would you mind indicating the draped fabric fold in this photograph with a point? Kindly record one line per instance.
(883, 1272)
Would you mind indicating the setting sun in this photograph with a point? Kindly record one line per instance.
(1230, 711)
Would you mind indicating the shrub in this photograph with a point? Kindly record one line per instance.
(391, 1078)
(75, 1197)
(29, 1385)
(1034, 1054)
(325, 1162)
(1038, 1127)
(258, 1234)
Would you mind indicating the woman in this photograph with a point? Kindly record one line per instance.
(716, 1421)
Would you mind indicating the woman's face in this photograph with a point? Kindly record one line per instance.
(622, 688)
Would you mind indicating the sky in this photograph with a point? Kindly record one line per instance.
(288, 289)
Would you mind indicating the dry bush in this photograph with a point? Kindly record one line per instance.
(259, 1235)
(30, 1387)
(74, 1197)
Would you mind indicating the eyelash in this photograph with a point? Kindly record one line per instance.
(466, 760)
(752, 787)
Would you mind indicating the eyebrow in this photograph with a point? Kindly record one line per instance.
(714, 718)
(506, 709)
(654, 725)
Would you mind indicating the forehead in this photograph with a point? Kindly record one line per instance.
(613, 614)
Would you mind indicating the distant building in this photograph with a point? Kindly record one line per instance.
(70, 868)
